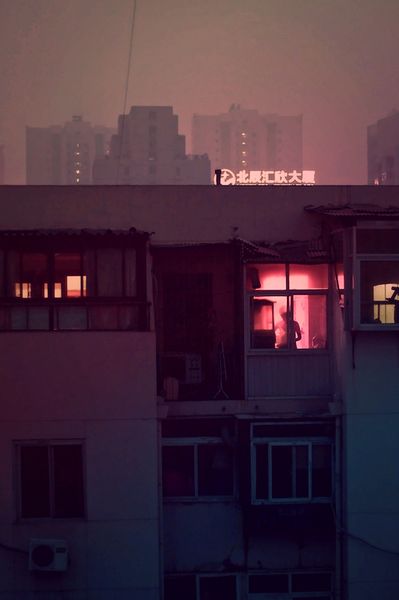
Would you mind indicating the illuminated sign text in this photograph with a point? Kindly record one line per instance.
(267, 177)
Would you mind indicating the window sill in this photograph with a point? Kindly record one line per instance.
(287, 351)
(200, 500)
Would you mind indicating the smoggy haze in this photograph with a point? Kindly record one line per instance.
(335, 61)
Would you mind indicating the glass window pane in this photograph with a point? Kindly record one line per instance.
(27, 275)
(69, 281)
(2, 282)
(34, 483)
(263, 584)
(310, 314)
(130, 272)
(72, 317)
(282, 472)
(19, 318)
(68, 481)
(263, 333)
(321, 470)
(311, 582)
(377, 241)
(129, 318)
(178, 471)
(102, 318)
(216, 588)
(262, 471)
(89, 270)
(266, 277)
(38, 318)
(288, 330)
(109, 272)
(308, 277)
(302, 472)
(215, 470)
(379, 287)
(180, 588)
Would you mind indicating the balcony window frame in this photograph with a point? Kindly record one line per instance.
(288, 293)
(196, 442)
(198, 577)
(273, 441)
(290, 594)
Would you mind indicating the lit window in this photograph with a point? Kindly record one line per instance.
(68, 272)
(29, 272)
(50, 479)
(379, 292)
(289, 308)
(57, 290)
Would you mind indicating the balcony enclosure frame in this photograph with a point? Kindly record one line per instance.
(289, 371)
(372, 275)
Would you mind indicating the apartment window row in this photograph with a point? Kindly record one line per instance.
(98, 288)
(287, 306)
(258, 586)
(284, 469)
(101, 272)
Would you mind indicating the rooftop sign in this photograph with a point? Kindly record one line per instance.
(266, 177)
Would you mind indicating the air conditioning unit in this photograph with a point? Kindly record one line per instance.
(48, 555)
(186, 368)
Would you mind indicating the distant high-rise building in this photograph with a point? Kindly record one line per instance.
(383, 151)
(243, 139)
(148, 149)
(2, 165)
(64, 155)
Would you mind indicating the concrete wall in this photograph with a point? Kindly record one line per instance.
(98, 388)
(181, 213)
(371, 449)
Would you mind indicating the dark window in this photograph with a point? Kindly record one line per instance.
(215, 470)
(311, 582)
(180, 588)
(263, 584)
(178, 471)
(187, 305)
(51, 481)
(218, 587)
(197, 470)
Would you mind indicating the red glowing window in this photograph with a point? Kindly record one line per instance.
(293, 314)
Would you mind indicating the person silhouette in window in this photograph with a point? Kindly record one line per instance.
(288, 331)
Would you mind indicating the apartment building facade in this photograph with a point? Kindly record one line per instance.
(64, 155)
(222, 391)
(149, 150)
(242, 139)
(383, 151)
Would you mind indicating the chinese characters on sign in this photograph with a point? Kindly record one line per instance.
(267, 177)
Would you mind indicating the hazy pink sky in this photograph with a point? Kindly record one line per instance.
(334, 61)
